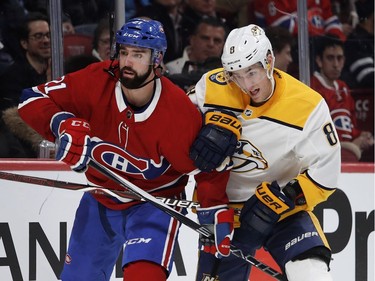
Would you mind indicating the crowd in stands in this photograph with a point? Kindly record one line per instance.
(195, 31)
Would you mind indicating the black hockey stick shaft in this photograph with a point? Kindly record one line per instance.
(181, 218)
(119, 194)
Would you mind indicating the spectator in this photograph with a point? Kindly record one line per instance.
(192, 13)
(17, 139)
(101, 42)
(166, 12)
(282, 42)
(235, 12)
(202, 54)
(321, 19)
(31, 69)
(359, 49)
(283, 13)
(67, 25)
(206, 41)
(11, 13)
(34, 67)
(347, 14)
(329, 58)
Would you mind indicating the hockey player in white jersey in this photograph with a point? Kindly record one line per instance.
(287, 161)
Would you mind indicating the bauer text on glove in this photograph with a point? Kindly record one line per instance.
(262, 211)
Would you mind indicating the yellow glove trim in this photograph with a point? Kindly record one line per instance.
(225, 121)
(265, 195)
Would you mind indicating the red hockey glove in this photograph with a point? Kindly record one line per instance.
(74, 142)
(220, 220)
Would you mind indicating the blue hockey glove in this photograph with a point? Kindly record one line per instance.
(219, 220)
(74, 140)
(262, 211)
(216, 142)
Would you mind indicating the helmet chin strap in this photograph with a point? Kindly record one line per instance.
(158, 73)
(272, 88)
(270, 77)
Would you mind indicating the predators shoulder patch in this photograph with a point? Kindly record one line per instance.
(217, 77)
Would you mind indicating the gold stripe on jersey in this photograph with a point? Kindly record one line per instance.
(218, 94)
(225, 121)
(281, 108)
(314, 194)
(319, 229)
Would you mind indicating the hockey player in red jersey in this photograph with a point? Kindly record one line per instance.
(125, 115)
(287, 161)
(330, 59)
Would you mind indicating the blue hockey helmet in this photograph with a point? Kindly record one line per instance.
(144, 33)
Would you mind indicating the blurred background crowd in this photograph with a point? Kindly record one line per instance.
(341, 53)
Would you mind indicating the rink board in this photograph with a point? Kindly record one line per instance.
(35, 223)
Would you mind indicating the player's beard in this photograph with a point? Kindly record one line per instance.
(137, 81)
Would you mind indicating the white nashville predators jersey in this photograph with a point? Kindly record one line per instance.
(290, 136)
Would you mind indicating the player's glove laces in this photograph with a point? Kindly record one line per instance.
(74, 145)
(219, 220)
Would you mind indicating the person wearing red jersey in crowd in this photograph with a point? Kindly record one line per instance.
(321, 19)
(123, 114)
(330, 59)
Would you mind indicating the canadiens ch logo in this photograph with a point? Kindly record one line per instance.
(68, 259)
(218, 78)
(120, 160)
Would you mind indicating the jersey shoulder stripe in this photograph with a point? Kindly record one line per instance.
(220, 94)
(293, 101)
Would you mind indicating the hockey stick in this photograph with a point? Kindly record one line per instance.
(181, 218)
(119, 194)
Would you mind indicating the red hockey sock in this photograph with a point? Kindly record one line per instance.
(144, 270)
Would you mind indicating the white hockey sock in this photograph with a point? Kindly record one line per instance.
(307, 270)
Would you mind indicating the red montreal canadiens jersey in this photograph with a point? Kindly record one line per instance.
(283, 13)
(341, 105)
(149, 146)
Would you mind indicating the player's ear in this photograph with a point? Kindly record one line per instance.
(158, 59)
(270, 59)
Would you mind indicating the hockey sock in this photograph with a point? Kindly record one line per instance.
(144, 270)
